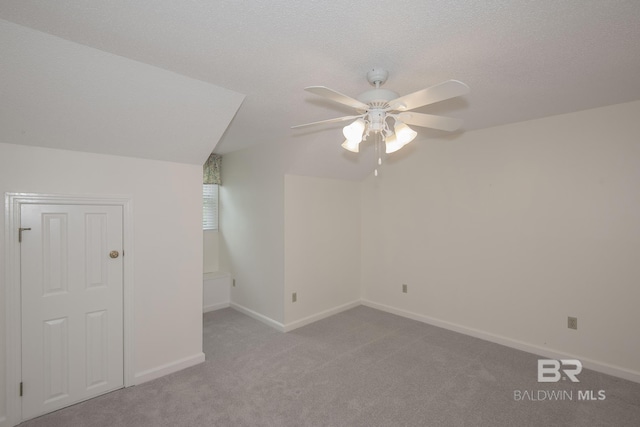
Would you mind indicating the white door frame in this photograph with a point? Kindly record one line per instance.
(13, 343)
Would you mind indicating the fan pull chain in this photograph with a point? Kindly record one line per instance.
(378, 149)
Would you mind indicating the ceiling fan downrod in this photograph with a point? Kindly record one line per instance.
(377, 76)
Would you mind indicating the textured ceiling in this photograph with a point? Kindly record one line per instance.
(522, 59)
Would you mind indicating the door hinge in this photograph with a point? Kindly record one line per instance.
(21, 389)
(20, 230)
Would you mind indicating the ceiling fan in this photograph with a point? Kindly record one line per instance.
(376, 106)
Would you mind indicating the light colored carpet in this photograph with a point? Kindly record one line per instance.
(362, 367)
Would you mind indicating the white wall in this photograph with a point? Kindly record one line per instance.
(251, 235)
(509, 230)
(321, 245)
(167, 214)
(216, 291)
(210, 250)
(283, 233)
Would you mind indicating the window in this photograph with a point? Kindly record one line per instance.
(210, 206)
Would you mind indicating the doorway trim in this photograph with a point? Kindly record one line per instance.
(13, 340)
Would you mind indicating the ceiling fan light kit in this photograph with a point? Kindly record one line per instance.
(404, 133)
(353, 132)
(351, 146)
(392, 144)
(375, 107)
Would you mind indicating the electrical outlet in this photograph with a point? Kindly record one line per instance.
(404, 288)
(572, 322)
(294, 297)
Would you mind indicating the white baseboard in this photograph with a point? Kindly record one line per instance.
(168, 368)
(298, 323)
(262, 318)
(214, 307)
(318, 316)
(595, 365)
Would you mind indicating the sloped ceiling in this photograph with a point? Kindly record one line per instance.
(522, 60)
(59, 94)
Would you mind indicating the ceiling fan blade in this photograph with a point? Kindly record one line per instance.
(338, 119)
(429, 121)
(430, 95)
(337, 97)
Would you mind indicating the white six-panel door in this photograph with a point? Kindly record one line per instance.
(72, 304)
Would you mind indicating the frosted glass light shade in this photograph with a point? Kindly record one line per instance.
(392, 144)
(354, 147)
(404, 133)
(354, 131)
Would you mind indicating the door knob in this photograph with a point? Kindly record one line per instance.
(114, 254)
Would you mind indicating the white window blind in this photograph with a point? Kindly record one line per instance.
(210, 206)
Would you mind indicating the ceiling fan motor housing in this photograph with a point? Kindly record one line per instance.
(377, 96)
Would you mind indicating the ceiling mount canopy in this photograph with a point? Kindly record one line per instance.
(378, 109)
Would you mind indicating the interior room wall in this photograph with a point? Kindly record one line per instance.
(321, 245)
(251, 234)
(210, 251)
(167, 214)
(507, 231)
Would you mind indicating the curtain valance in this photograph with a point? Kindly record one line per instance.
(211, 170)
